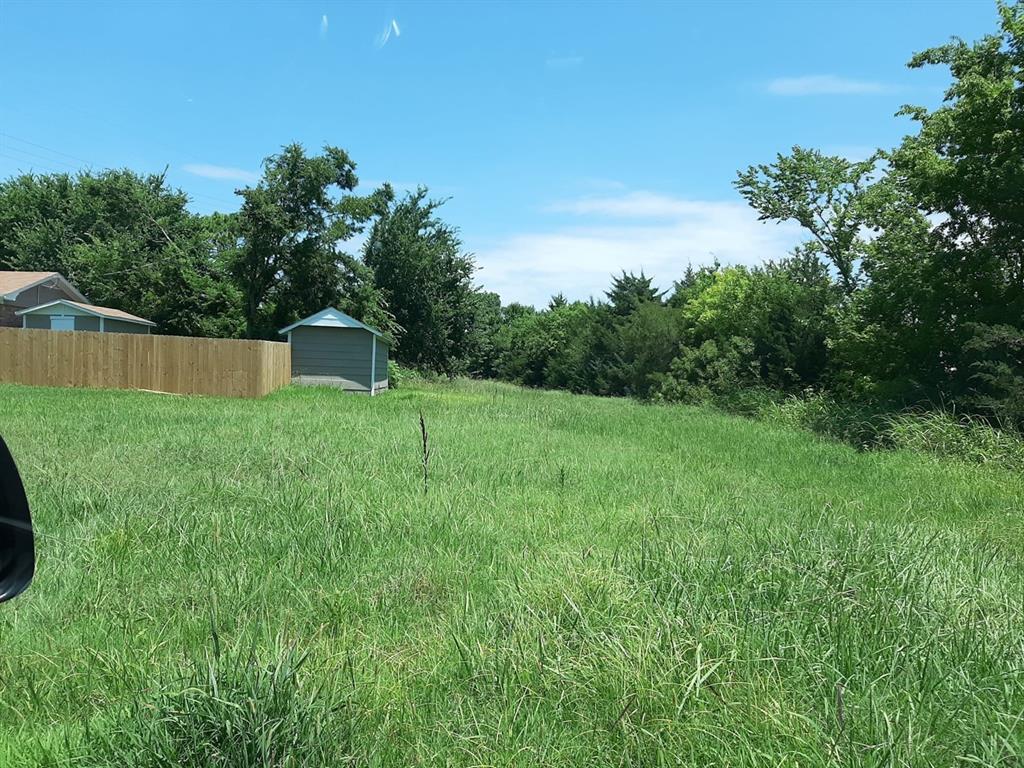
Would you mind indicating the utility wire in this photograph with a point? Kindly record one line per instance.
(48, 149)
(89, 164)
(32, 166)
(9, 148)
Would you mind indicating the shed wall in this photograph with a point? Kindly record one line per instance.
(120, 326)
(36, 321)
(83, 321)
(341, 354)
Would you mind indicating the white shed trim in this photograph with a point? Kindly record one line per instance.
(330, 318)
(373, 364)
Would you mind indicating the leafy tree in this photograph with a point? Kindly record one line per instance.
(791, 309)
(483, 355)
(127, 241)
(998, 367)
(823, 194)
(784, 310)
(361, 298)
(715, 368)
(292, 224)
(521, 345)
(967, 161)
(426, 279)
(643, 347)
(629, 292)
(558, 301)
(965, 170)
(578, 352)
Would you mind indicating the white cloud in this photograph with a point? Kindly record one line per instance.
(220, 172)
(824, 85)
(563, 62)
(636, 205)
(323, 26)
(392, 28)
(639, 230)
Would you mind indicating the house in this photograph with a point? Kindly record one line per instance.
(48, 301)
(334, 349)
(64, 315)
(21, 290)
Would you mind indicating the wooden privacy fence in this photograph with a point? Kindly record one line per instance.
(187, 366)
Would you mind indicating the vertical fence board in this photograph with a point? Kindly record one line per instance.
(175, 364)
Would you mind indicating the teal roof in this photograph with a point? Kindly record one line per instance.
(332, 318)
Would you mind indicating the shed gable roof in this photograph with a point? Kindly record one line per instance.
(331, 318)
(107, 312)
(13, 283)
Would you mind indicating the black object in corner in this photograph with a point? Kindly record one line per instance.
(17, 544)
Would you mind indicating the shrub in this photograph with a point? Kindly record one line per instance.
(999, 372)
(700, 375)
(868, 425)
(860, 424)
(400, 374)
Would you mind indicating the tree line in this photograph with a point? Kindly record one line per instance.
(129, 241)
(908, 289)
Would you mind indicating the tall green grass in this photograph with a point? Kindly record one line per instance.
(867, 426)
(587, 581)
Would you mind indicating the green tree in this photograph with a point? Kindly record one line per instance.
(629, 292)
(642, 347)
(292, 224)
(965, 169)
(127, 241)
(822, 193)
(483, 349)
(427, 281)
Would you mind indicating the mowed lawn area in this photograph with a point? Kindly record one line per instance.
(585, 582)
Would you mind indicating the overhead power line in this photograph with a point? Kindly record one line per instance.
(47, 163)
(43, 147)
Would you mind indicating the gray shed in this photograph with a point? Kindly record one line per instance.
(336, 350)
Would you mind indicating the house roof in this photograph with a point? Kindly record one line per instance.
(107, 312)
(332, 318)
(13, 283)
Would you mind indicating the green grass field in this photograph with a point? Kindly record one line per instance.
(586, 582)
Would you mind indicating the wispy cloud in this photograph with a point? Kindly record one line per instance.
(824, 85)
(563, 62)
(323, 26)
(636, 205)
(220, 172)
(637, 230)
(391, 29)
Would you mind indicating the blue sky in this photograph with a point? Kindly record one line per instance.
(573, 139)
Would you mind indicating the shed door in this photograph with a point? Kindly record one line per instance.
(60, 323)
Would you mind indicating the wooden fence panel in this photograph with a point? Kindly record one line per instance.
(176, 364)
